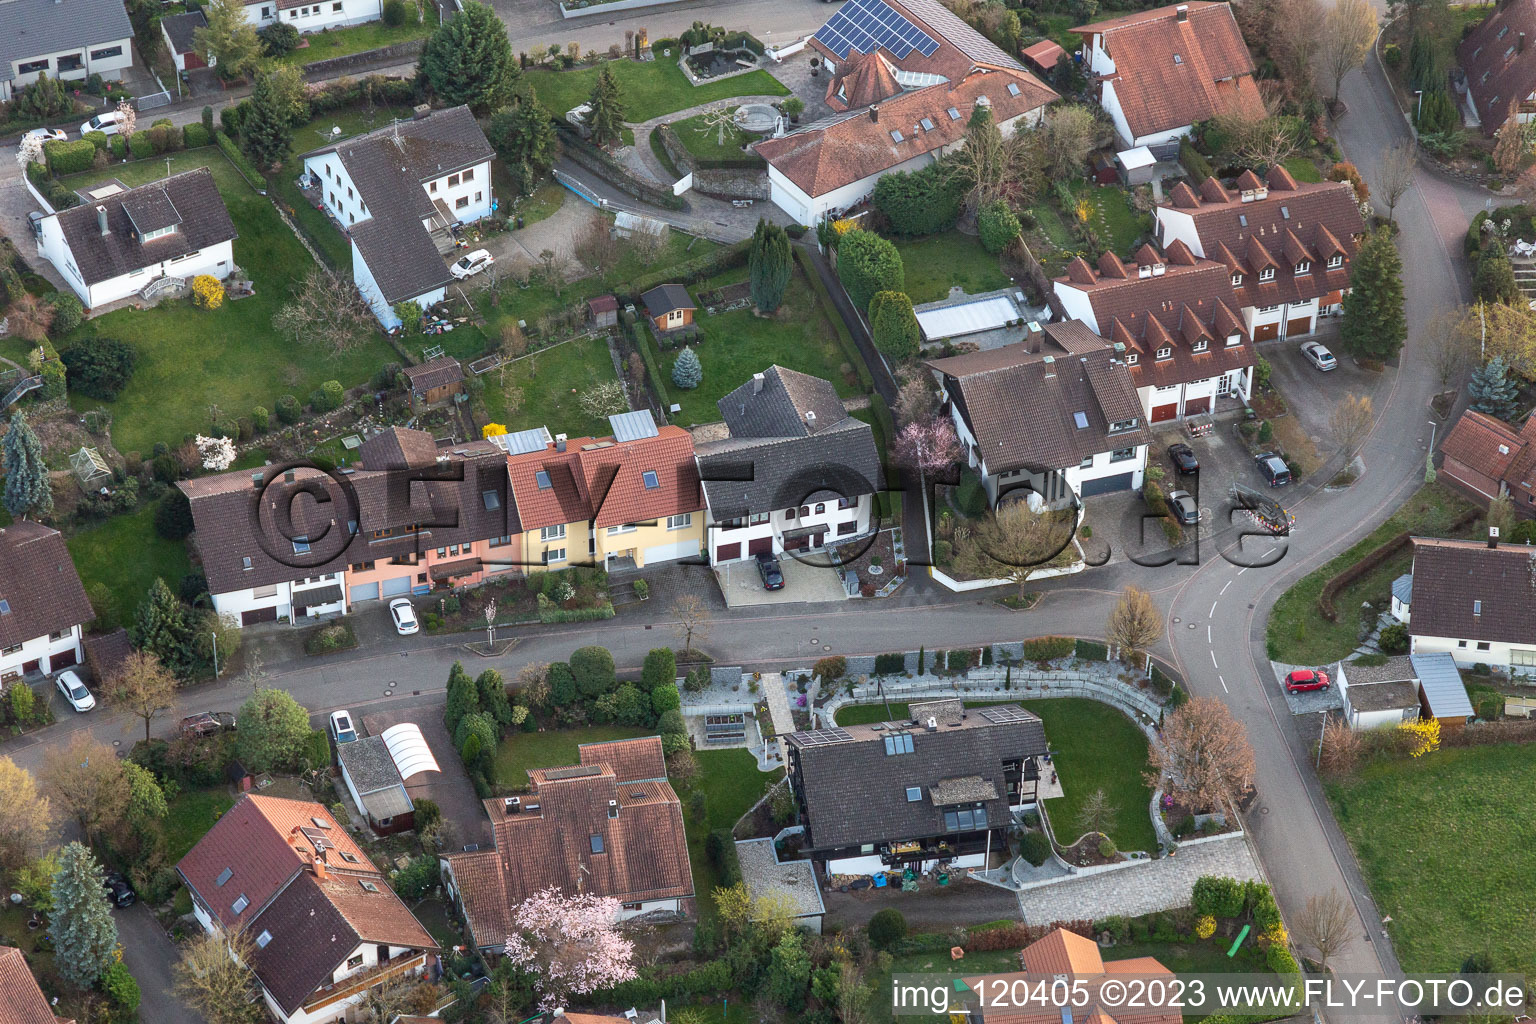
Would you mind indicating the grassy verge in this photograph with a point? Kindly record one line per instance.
(551, 382)
(659, 151)
(126, 554)
(650, 90)
(1094, 747)
(1444, 842)
(937, 263)
(1298, 633)
(344, 41)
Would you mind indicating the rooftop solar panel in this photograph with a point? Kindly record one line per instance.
(866, 25)
(1006, 714)
(822, 737)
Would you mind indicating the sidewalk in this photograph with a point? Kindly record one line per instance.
(778, 710)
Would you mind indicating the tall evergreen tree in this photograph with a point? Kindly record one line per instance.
(867, 263)
(84, 934)
(769, 262)
(524, 137)
(1374, 323)
(469, 60)
(893, 325)
(687, 371)
(1493, 391)
(463, 697)
(606, 119)
(279, 104)
(27, 493)
(163, 628)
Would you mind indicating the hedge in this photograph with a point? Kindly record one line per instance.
(558, 614)
(1387, 550)
(720, 847)
(195, 136)
(890, 664)
(694, 270)
(1161, 681)
(69, 157)
(119, 147)
(98, 139)
(1195, 163)
(140, 145)
(1092, 650)
(844, 339)
(242, 164)
(744, 39)
(1045, 648)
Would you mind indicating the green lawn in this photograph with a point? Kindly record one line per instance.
(1445, 844)
(731, 784)
(1303, 169)
(738, 344)
(701, 140)
(648, 90)
(937, 263)
(1094, 747)
(191, 814)
(1119, 226)
(126, 554)
(190, 359)
(1298, 633)
(522, 752)
(343, 41)
(551, 382)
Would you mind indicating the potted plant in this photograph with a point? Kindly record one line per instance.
(793, 108)
(642, 590)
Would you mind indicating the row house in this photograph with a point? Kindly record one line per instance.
(797, 473)
(1056, 414)
(312, 15)
(1287, 247)
(1185, 343)
(68, 40)
(1499, 75)
(43, 607)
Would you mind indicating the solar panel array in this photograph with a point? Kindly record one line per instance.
(576, 772)
(864, 25)
(1006, 715)
(822, 737)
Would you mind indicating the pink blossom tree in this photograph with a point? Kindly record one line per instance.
(928, 445)
(569, 944)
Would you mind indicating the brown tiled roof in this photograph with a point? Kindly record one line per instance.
(1316, 220)
(1469, 591)
(21, 1001)
(38, 584)
(821, 159)
(603, 481)
(1044, 54)
(644, 852)
(634, 760)
(435, 373)
(961, 48)
(398, 448)
(1063, 952)
(862, 79)
(105, 654)
(1498, 70)
(1022, 410)
(1171, 72)
(190, 200)
(1490, 446)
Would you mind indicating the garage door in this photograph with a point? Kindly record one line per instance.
(1297, 328)
(256, 615)
(668, 552)
(397, 587)
(728, 552)
(1197, 406)
(760, 546)
(364, 592)
(63, 659)
(1266, 332)
(1163, 413)
(1107, 484)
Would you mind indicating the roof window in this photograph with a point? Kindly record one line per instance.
(300, 545)
(896, 135)
(927, 124)
(240, 904)
(1242, 219)
(954, 114)
(596, 842)
(1013, 88)
(262, 939)
(652, 481)
(5, 606)
(350, 858)
(490, 499)
(1477, 607)
(1177, 59)
(319, 822)
(367, 885)
(1081, 419)
(914, 794)
(898, 743)
(542, 479)
(1285, 213)
(245, 563)
(224, 876)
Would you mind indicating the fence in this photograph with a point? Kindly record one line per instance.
(1519, 707)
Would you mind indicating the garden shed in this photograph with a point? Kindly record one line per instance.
(90, 469)
(1136, 165)
(1442, 694)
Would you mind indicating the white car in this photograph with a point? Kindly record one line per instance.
(74, 690)
(108, 122)
(47, 135)
(1318, 355)
(342, 730)
(404, 615)
(472, 264)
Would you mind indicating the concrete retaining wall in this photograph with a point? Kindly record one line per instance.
(335, 67)
(723, 182)
(617, 5)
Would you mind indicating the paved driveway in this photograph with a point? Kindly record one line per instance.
(743, 586)
(1310, 393)
(1159, 885)
(450, 788)
(150, 955)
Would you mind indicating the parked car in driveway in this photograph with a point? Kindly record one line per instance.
(1184, 459)
(208, 723)
(74, 690)
(1184, 507)
(1274, 468)
(1318, 355)
(108, 122)
(47, 135)
(472, 264)
(1306, 679)
(119, 891)
(342, 730)
(404, 616)
(768, 568)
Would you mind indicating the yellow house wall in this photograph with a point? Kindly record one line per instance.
(648, 535)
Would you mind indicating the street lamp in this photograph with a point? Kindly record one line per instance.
(1419, 113)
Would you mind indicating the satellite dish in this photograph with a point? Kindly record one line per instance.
(335, 130)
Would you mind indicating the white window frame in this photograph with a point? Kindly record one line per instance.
(548, 533)
(680, 522)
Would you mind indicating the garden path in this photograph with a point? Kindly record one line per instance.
(1143, 889)
(778, 709)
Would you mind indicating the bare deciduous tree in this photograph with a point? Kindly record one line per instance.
(1326, 924)
(648, 246)
(1013, 543)
(26, 818)
(722, 121)
(693, 618)
(1258, 142)
(1350, 424)
(1097, 813)
(917, 398)
(325, 309)
(1453, 344)
(596, 247)
(603, 399)
(143, 687)
(1204, 759)
(1349, 27)
(1134, 623)
(555, 268)
(1341, 748)
(989, 166)
(1395, 176)
(212, 978)
(1070, 132)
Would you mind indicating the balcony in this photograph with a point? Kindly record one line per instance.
(353, 984)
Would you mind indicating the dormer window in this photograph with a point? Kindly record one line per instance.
(1164, 352)
(1123, 425)
(1237, 280)
(1304, 267)
(1234, 339)
(1130, 358)
(1267, 274)
(1201, 345)
(1335, 261)
(150, 236)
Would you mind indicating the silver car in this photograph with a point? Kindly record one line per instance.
(1318, 355)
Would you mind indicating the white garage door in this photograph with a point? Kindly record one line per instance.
(397, 587)
(668, 552)
(364, 592)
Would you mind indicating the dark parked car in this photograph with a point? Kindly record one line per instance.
(208, 723)
(1274, 468)
(1184, 459)
(118, 890)
(768, 569)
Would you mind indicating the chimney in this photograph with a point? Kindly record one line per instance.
(1493, 536)
(560, 440)
(288, 477)
(613, 808)
(810, 420)
(1050, 366)
(319, 864)
(257, 479)
(874, 114)
(933, 725)
(101, 220)
(420, 111)
(1181, 12)
(1520, 43)
(757, 383)
(513, 805)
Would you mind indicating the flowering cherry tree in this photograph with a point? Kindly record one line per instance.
(570, 944)
(130, 118)
(30, 151)
(928, 444)
(217, 452)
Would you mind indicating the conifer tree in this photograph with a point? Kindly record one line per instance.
(84, 934)
(1374, 323)
(470, 60)
(687, 373)
(163, 628)
(606, 119)
(769, 263)
(1493, 391)
(27, 494)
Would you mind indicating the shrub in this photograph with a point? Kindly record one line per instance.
(960, 661)
(1035, 847)
(887, 928)
(593, 671)
(866, 264)
(834, 667)
(1106, 849)
(207, 292)
(1046, 648)
(97, 139)
(1394, 638)
(1194, 162)
(140, 145)
(1392, 55)
(260, 419)
(278, 39)
(720, 848)
(671, 723)
(1090, 650)
(99, 367)
(173, 515)
(921, 202)
(419, 877)
(394, 13)
(1217, 896)
(164, 138)
(67, 313)
(195, 136)
(890, 664)
(121, 990)
(119, 146)
(1205, 926)
(1280, 960)
(69, 157)
(943, 553)
(997, 226)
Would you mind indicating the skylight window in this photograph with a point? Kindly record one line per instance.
(1242, 219)
(954, 114)
(927, 124)
(367, 885)
(240, 904)
(652, 481)
(1285, 212)
(490, 499)
(914, 794)
(1081, 419)
(300, 545)
(596, 843)
(319, 822)
(896, 135)
(5, 606)
(350, 858)
(224, 876)
(1177, 59)
(1013, 88)
(245, 563)
(898, 743)
(542, 479)
(262, 939)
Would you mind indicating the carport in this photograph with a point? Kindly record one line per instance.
(742, 586)
(419, 742)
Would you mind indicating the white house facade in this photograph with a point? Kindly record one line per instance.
(64, 39)
(1475, 602)
(43, 607)
(308, 597)
(311, 16)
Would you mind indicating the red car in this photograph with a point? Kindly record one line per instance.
(1306, 679)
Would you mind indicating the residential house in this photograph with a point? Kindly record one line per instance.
(121, 240)
(624, 501)
(1161, 72)
(398, 193)
(43, 607)
(180, 32)
(939, 787)
(1475, 602)
(436, 380)
(1177, 315)
(65, 39)
(669, 306)
(788, 884)
(1378, 695)
(323, 925)
(288, 544)
(610, 825)
(1287, 246)
(905, 78)
(21, 1000)
(796, 474)
(1498, 72)
(1056, 414)
(311, 16)
(1074, 961)
(1486, 458)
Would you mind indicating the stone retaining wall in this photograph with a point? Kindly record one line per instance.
(335, 67)
(721, 182)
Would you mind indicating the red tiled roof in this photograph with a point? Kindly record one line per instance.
(861, 80)
(1063, 952)
(21, 1001)
(1212, 75)
(1498, 72)
(961, 48)
(1484, 444)
(604, 481)
(1044, 54)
